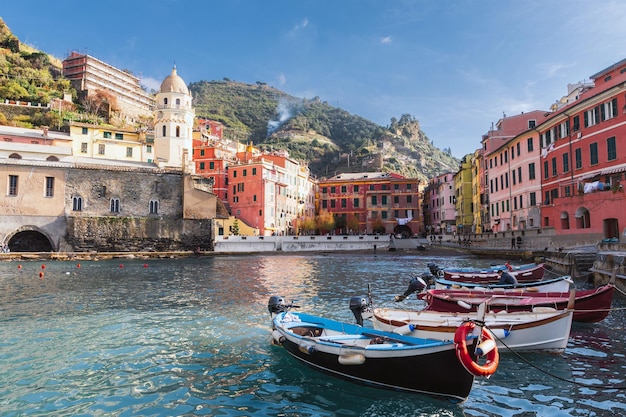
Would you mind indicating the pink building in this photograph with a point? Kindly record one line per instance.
(440, 210)
(511, 155)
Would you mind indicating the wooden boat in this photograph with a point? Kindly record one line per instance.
(557, 284)
(419, 286)
(523, 273)
(374, 357)
(589, 305)
(542, 330)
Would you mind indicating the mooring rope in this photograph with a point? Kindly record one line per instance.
(570, 381)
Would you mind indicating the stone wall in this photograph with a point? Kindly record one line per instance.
(137, 234)
(134, 189)
(94, 226)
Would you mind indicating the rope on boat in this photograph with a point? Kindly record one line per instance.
(570, 381)
(620, 290)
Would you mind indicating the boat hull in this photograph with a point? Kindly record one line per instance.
(431, 368)
(590, 306)
(538, 332)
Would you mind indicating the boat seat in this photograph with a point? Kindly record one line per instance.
(544, 310)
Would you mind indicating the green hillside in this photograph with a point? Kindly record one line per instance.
(329, 139)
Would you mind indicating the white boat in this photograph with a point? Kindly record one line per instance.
(543, 330)
(558, 284)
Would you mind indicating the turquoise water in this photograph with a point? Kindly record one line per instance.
(191, 337)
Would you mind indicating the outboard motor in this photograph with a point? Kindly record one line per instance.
(358, 306)
(416, 284)
(435, 269)
(277, 305)
(428, 278)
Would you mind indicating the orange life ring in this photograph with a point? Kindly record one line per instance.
(462, 353)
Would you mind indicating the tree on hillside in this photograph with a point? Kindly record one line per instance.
(100, 104)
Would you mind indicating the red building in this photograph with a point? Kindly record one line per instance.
(370, 202)
(270, 191)
(583, 160)
(212, 155)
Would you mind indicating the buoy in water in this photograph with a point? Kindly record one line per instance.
(19, 267)
(43, 266)
(121, 265)
(41, 275)
(145, 265)
(77, 265)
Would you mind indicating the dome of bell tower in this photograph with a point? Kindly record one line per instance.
(174, 84)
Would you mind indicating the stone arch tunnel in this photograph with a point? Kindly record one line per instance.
(29, 239)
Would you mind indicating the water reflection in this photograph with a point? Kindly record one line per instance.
(191, 337)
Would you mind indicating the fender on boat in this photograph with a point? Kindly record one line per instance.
(308, 349)
(351, 359)
(277, 337)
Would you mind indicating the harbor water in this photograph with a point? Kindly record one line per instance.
(191, 337)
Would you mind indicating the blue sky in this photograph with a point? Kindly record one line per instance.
(457, 66)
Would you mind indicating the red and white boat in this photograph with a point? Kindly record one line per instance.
(523, 273)
(589, 305)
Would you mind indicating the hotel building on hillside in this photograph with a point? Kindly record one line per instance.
(88, 75)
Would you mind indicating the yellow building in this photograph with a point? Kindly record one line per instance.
(108, 142)
(463, 196)
(479, 194)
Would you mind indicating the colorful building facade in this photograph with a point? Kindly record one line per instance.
(373, 202)
(583, 162)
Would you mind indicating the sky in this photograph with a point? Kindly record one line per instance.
(457, 66)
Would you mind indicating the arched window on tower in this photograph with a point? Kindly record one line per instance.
(115, 205)
(177, 102)
(154, 207)
(164, 131)
(77, 203)
(165, 101)
(177, 131)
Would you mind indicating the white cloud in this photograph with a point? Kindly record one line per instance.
(385, 40)
(305, 23)
(151, 83)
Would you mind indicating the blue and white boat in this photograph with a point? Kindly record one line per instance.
(374, 357)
